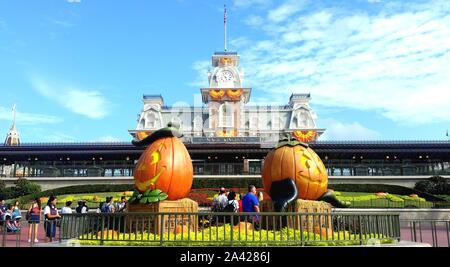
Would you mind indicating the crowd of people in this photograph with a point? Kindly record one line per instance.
(10, 214)
(230, 201)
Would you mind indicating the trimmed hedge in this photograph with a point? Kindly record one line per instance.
(79, 189)
(392, 189)
(231, 183)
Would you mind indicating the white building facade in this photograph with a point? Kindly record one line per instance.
(226, 113)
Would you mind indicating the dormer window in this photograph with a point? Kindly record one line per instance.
(151, 121)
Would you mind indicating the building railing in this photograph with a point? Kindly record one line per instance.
(124, 168)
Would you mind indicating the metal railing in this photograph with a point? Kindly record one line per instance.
(23, 236)
(433, 232)
(230, 229)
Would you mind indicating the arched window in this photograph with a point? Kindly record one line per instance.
(226, 115)
(198, 123)
(295, 122)
(269, 125)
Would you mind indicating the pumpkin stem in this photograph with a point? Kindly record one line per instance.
(172, 130)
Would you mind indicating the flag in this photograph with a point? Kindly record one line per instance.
(225, 14)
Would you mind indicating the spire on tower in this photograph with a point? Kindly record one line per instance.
(12, 138)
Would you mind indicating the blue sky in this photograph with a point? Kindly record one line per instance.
(77, 69)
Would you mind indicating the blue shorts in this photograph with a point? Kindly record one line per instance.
(34, 218)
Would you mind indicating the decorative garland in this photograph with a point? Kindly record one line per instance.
(216, 94)
(234, 93)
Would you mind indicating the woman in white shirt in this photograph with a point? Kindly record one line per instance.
(51, 215)
(67, 209)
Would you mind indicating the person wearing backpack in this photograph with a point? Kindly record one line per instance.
(231, 207)
(51, 216)
(232, 204)
(107, 207)
(82, 207)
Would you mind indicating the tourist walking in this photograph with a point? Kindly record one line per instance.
(82, 207)
(120, 206)
(250, 203)
(67, 209)
(220, 201)
(232, 204)
(15, 211)
(34, 218)
(108, 206)
(3, 209)
(51, 216)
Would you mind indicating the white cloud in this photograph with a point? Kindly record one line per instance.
(254, 20)
(89, 103)
(395, 62)
(337, 130)
(201, 67)
(74, 1)
(28, 118)
(62, 23)
(251, 3)
(285, 10)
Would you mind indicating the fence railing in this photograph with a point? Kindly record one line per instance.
(433, 232)
(230, 229)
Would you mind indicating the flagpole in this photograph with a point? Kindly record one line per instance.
(225, 26)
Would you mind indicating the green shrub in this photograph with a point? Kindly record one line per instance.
(22, 187)
(78, 189)
(2, 185)
(25, 187)
(375, 188)
(434, 185)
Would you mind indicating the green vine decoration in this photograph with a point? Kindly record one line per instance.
(148, 197)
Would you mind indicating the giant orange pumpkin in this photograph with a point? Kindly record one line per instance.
(164, 165)
(295, 160)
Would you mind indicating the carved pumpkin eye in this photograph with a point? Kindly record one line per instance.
(156, 157)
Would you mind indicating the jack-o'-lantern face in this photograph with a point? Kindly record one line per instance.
(150, 183)
(165, 165)
(301, 164)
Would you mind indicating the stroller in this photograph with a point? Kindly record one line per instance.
(11, 222)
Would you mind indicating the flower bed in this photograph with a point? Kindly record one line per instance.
(221, 236)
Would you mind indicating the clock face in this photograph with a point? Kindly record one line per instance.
(225, 76)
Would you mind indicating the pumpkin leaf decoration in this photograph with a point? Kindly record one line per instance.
(287, 140)
(149, 196)
(172, 130)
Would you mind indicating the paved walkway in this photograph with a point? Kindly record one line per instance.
(21, 239)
